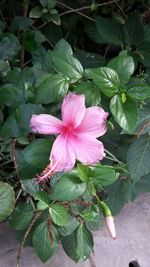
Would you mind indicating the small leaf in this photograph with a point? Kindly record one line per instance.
(64, 46)
(123, 65)
(11, 95)
(35, 12)
(67, 65)
(7, 200)
(116, 198)
(51, 88)
(21, 217)
(125, 114)
(95, 223)
(4, 68)
(21, 23)
(84, 242)
(91, 92)
(69, 244)
(69, 227)
(105, 79)
(103, 175)
(139, 92)
(17, 124)
(42, 243)
(69, 188)
(58, 214)
(9, 47)
(34, 158)
(84, 172)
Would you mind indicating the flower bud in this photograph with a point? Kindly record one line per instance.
(111, 226)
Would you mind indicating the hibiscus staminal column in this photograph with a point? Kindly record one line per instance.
(77, 134)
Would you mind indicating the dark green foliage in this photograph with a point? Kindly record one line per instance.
(47, 49)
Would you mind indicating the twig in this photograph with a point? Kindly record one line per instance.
(1, 14)
(14, 156)
(122, 12)
(5, 163)
(113, 157)
(71, 10)
(82, 203)
(37, 215)
(83, 8)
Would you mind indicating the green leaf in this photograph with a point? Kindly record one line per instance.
(67, 65)
(35, 12)
(21, 23)
(84, 242)
(64, 46)
(91, 92)
(94, 34)
(123, 65)
(59, 214)
(69, 244)
(51, 88)
(9, 47)
(7, 200)
(55, 17)
(116, 198)
(132, 36)
(69, 188)
(17, 124)
(125, 114)
(138, 159)
(84, 172)
(51, 4)
(90, 213)
(105, 79)
(34, 158)
(110, 30)
(103, 175)
(95, 223)
(11, 95)
(69, 227)
(139, 92)
(41, 205)
(43, 197)
(42, 243)
(21, 217)
(4, 68)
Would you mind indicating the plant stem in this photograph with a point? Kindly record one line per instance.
(113, 157)
(71, 10)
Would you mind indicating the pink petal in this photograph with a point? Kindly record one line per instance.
(62, 155)
(45, 124)
(94, 122)
(73, 109)
(87, 150)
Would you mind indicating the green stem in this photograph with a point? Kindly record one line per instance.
(110, 154)
(105, 209)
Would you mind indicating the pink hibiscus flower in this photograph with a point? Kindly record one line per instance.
(78, 130)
